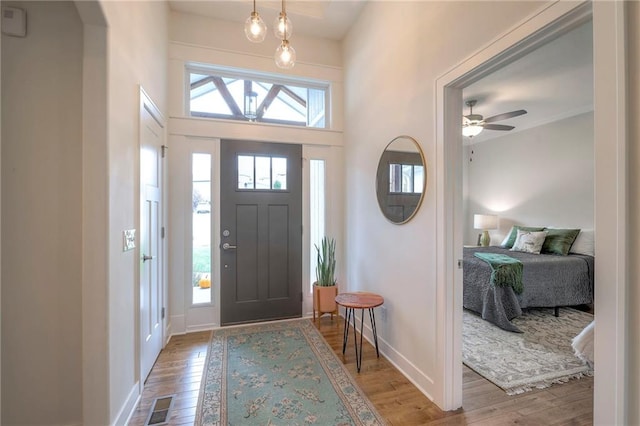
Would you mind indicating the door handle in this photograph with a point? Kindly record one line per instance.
(227, 246)
(145, 257)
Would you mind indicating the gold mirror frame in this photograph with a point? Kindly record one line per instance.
(399, 207)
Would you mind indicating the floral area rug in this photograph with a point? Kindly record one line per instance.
(280, 373)
(519, 362)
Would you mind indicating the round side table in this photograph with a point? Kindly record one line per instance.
(362, 301)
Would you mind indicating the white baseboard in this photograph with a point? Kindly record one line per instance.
(178, 324)
(129, 406)
(408, 369)
(202, 327)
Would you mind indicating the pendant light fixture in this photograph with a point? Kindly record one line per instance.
(251, 105)
(282, 26)
(254, 28)
(285, 53)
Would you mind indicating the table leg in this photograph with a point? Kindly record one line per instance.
(372, 318)
(359, 360)
(355, 338)
(345, 332)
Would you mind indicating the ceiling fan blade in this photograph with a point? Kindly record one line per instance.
(505, 115)
(498, 127)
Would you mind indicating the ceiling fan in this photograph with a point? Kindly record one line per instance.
(473, 124)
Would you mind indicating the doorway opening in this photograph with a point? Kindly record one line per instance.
(610, 184)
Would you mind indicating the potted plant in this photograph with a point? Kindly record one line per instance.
(324, 289)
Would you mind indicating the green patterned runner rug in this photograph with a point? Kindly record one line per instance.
(279, 373)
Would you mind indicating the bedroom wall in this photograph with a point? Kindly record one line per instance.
(542, 176)
(41, 217)
(389, 84)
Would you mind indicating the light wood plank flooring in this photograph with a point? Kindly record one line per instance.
(179, 368)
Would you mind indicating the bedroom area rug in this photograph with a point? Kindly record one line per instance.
(278, 373)
(519, 362)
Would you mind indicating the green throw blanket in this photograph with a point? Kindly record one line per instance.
(505, 270)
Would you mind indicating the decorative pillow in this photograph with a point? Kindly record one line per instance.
(510, 239)
(559, 241)
(529, 242)
(584, 243)
(506, 239)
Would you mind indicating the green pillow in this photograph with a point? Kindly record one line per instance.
(559, 241)
(508, 243)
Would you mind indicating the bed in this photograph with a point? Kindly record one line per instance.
(549, 281)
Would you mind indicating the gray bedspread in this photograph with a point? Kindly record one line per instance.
(549, 281)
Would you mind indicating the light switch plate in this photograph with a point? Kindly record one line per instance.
(14, 21)
(128, 239)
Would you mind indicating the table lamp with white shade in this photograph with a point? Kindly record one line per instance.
(485, 222)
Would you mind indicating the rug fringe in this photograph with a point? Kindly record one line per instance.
(547, 383)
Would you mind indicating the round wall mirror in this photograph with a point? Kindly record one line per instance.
(401, 179)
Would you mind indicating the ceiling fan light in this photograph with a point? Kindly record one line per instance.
(471, 130)
(254, 28)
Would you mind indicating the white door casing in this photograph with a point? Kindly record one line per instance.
(610, 404)
(151, 248)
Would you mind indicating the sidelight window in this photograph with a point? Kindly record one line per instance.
(201, 212)
(316, 211)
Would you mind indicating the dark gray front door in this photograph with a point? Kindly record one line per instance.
(261, 231)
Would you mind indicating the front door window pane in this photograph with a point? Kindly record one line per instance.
(245, 172)
(263, 173)
(279, 169)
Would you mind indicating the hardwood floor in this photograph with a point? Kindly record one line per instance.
(179, 368)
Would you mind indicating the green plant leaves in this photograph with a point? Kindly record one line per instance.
(326, 266)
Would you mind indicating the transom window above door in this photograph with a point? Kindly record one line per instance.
(225, 94)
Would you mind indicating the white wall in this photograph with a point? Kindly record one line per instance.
(137, 55)
(633, 371)
(195, 39)
(542, 176)
(390, 83)
(41, 218)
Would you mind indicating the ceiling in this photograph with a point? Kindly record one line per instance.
(329, 19)
(553, 82)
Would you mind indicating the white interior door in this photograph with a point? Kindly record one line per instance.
(151, 253)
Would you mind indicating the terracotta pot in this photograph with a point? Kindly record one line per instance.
(324, 300)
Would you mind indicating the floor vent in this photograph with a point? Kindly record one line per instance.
(160, 410)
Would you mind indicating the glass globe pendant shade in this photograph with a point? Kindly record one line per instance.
(285, 55)
(282, 26)
(254, 28)
(471, 129)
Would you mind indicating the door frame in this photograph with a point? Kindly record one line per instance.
(147, 104)
(610, 140)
